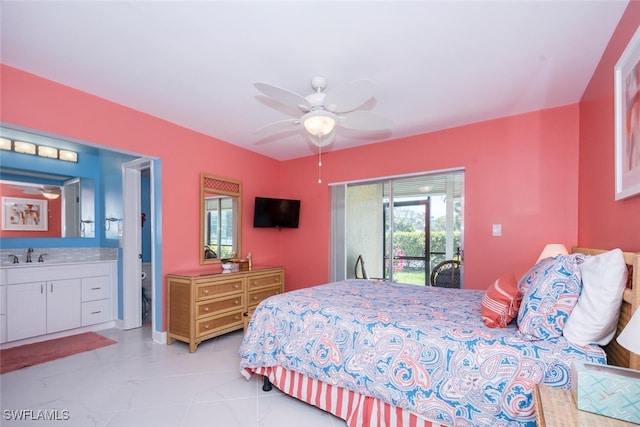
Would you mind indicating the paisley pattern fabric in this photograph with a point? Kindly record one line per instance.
(425, 350)
(551, 291)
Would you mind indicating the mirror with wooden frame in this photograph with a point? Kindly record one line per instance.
(220, 219)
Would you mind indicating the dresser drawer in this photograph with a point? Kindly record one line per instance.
(96, 312)
(254, 282)
(216, 289)
(256, 297)
(210, 325)
(94, 288)
(208, 307)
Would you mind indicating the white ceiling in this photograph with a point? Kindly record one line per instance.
(437, 64)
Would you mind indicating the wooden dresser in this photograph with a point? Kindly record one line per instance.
(202, 306)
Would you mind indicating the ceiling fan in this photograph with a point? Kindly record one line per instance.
(323, 111)
(48, 191)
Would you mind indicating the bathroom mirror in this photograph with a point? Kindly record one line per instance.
(75, 204)
(220, 218)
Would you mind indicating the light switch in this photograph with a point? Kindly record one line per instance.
(497, 229)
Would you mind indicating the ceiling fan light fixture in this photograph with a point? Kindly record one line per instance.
(319, 122)
(50, 195)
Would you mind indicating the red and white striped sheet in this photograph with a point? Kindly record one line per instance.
(356, 409)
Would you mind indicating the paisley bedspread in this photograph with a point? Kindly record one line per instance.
(420, 348)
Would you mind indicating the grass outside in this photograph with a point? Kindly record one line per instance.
(412, 277)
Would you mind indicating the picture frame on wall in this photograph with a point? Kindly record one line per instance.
(21, 214)
(627, 121)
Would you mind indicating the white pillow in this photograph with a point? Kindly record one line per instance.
(595, 316)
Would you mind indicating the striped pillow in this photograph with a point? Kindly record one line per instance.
(501, 302)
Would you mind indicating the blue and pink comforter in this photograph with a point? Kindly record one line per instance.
(419, 348)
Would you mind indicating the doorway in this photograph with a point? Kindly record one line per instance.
(138, 191)
(401, 226)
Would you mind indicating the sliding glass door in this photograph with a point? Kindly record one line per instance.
(402, 226)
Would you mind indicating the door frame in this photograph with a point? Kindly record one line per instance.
(131, 244)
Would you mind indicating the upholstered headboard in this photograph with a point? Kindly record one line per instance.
(616, 354)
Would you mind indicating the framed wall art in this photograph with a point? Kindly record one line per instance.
(627, 120)
(20, 214)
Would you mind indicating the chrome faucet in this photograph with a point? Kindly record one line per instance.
(41, 257)
(29, 252)
(14, 258)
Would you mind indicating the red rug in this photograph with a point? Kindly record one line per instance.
(46, 351)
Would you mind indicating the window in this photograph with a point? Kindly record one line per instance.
(402, 226)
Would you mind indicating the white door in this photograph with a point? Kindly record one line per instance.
(64, 304)
(132, 247)
(26, 310)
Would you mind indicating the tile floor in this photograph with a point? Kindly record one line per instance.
(137, 382)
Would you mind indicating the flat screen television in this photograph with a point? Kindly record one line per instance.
(279, 213)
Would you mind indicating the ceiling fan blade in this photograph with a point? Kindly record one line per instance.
(283, 96)
(364, 120)
(349, 96)
(277, 126)
(50, 189)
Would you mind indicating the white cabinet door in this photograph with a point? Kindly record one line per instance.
(26, 310)
(64, 310)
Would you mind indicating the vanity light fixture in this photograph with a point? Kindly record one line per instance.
(41, 150)
(24, 147)
(49, 152)
(68, 156)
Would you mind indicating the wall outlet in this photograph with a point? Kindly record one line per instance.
(497, 230)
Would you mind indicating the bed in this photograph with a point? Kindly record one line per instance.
(376, 353)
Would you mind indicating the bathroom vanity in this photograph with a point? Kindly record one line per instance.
(202, 306)
(40, 299)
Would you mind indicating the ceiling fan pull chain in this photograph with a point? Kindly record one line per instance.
(319, 164)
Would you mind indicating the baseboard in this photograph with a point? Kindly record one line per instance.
(159, 337)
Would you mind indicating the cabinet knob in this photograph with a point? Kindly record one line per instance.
(277, 279)
(206, 291)
(206, 326)
(255, 297)
(237, 286)
(236, 317)
(206, 309)
(236, 302)
(255, 282)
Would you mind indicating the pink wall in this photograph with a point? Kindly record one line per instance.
(35, 103)
(603, 222)
(521, 172)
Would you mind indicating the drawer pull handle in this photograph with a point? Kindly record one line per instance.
(206, 309)
(236, 302)
(96, 289)
(255, 297)
(206, 291)
(255, 282)
(206, 326)
(277, 279)
(96, 312)
(236, 317)
(237, 286)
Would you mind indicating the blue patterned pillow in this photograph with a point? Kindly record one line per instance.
(550, 291)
